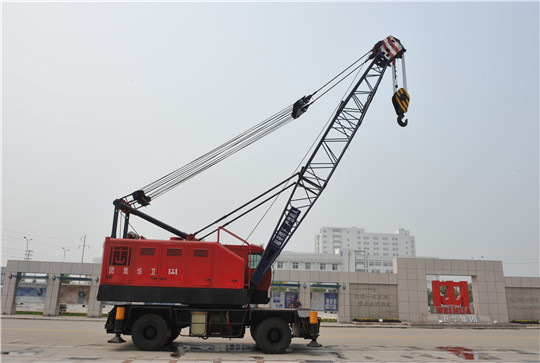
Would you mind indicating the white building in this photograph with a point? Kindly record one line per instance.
(344, 261)
(397, 244)
(307, 261)
(351, 250)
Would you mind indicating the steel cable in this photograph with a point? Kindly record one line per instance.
(217, 155)
(237, 143)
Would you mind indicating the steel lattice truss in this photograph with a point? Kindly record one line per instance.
(315, 175)
(327, 155)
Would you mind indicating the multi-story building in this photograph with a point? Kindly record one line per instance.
(351, 250)
(308, 261)
(345, 261)
(367, 252)
(397, 244)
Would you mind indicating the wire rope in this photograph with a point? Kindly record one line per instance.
(213, 159)
(218, 154)
(347, 75)
(343, 71)
(358, 69)
(237, 143)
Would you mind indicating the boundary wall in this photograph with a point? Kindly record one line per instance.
(402, 295)
(54, 271)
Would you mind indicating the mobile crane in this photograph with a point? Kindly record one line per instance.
(164, 286)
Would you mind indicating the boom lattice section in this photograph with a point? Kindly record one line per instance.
(318, 170)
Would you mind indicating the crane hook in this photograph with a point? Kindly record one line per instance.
(400, 100)
(401, 122)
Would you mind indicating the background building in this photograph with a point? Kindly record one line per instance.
(344, 261)
(397, 244)
(362, 251)
(307, 261)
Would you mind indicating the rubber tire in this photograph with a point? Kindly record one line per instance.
(273, 336)
(253, 332)
(174, 333)
(150, 332)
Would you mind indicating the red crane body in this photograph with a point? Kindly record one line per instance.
(179, 271)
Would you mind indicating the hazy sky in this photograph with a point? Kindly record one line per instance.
(101, 99)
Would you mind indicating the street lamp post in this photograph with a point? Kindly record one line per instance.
(83, 238)
(27, 252)
(65, 250)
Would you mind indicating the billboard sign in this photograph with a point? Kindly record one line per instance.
(451, 304)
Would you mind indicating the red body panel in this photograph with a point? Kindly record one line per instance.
(192, 264)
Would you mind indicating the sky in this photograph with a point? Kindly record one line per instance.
(100, 99)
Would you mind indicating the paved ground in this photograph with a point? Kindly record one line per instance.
(82, 340)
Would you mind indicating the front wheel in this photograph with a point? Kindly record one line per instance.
(253, 331)
(174, 333)
(273, 335)
(150, 332)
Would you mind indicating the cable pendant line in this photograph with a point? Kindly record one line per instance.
(211, 153)
(358, 68)
(133, 228)
(247, 204)
(285, 187)
(249, 210)
(189, 170)
(218, 154)
(212, 160)
(243, 136)
(343, 71)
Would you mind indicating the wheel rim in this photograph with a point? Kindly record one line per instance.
(150, 332)
(274, 335)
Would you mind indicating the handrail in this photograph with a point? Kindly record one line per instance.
(248, 284)
(232, 234)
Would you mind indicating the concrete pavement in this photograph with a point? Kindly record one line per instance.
(76, 339)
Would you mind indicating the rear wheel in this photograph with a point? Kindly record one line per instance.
(150, 332)
(273, 335)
